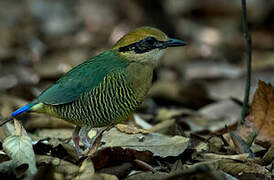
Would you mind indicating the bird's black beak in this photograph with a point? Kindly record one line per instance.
(174, 43)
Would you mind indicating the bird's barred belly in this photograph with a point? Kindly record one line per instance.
(110, 103)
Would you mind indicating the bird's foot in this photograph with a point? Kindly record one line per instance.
(76, 139)
(85, 141)
(81, 134)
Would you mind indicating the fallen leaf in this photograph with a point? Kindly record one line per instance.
(158, 144)
(262, 110)
(19, 148)
(248, 170)
(130, 129)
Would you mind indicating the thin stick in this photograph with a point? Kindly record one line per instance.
(249, 55)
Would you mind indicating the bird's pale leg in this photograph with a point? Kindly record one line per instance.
(76, 138)
(83, 134)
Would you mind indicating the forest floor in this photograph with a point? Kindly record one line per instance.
(186, 127)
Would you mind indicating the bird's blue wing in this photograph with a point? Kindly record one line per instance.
(82, 79)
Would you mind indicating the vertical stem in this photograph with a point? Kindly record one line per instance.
(249, 55)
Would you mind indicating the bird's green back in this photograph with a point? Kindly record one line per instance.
(82, 78)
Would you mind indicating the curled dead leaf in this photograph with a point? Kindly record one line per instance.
(262, 110)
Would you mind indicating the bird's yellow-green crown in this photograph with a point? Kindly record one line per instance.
(140, 34)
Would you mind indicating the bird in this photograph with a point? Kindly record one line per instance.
(105, 89)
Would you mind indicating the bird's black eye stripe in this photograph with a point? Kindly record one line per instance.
(143, 46)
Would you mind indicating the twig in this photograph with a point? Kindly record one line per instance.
(249, 54)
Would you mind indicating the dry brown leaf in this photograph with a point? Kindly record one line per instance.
(130, 129)
(262, 110)
(248, 170)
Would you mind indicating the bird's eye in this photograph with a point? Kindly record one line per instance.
(150, 40)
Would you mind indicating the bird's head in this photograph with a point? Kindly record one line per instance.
(145, 45)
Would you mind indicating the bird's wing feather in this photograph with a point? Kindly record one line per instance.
(82, 78)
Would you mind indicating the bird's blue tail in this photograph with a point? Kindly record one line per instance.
(23, 109)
